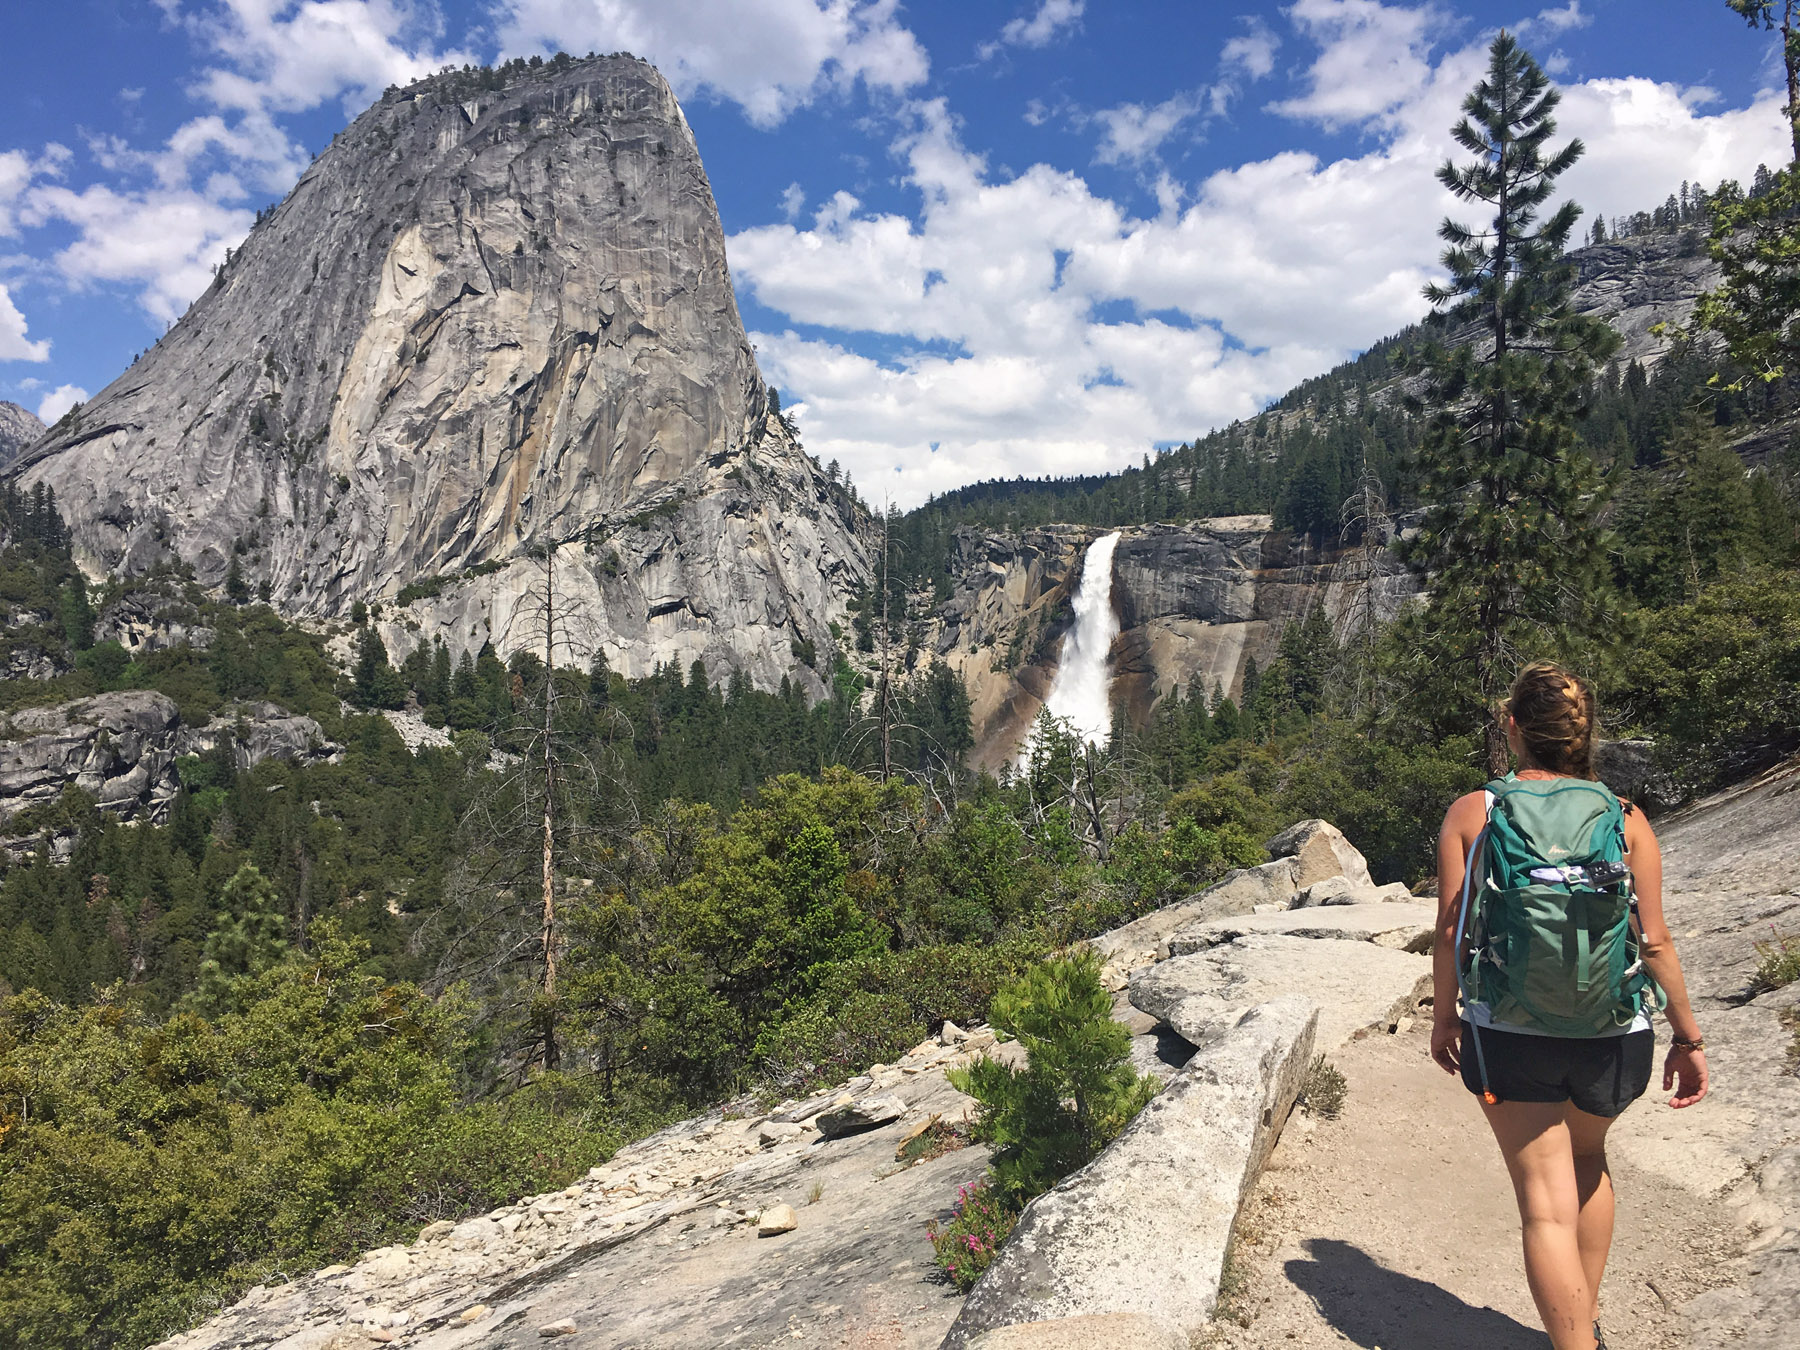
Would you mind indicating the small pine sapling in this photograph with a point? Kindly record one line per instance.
(1077, 1090)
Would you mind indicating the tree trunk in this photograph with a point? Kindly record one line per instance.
(1790, 57)
(887, 684)
(551, 1056)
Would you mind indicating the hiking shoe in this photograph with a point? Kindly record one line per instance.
(1599, 1340)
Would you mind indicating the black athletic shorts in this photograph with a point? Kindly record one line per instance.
(1601, 1075)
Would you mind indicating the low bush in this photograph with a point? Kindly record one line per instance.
(826, 1042)
(1324, 1090)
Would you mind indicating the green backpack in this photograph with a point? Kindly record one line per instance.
(1554, 948)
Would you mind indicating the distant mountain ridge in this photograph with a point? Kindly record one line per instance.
(18, 429)
(495, 313)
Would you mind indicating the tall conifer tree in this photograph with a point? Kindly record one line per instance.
(1510, 542)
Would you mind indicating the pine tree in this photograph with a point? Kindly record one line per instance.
(236, 589)
(1509, 542)
(1761, 14)
(1756, 306)
(249, 938)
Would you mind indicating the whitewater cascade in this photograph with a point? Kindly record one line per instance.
(1081, 690)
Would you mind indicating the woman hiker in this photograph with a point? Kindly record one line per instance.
(1549, 955)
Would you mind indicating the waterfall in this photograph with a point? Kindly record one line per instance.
(1081, 690)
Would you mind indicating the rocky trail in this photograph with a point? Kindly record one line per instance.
(1391, 1226)
(1394, 1226)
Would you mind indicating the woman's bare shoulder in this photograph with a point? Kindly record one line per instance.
(1467, 814)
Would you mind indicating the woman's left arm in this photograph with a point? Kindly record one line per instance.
(1657, 948)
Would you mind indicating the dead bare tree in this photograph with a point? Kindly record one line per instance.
(1364, 516)
(548, 796)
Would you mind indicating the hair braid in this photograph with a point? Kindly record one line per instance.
(1557, 718)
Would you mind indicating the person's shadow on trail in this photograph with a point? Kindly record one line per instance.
(1374, 1306)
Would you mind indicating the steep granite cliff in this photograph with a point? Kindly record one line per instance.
(1196, 602)
(494, 313)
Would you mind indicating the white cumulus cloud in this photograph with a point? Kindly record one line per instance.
(1372, 58)
(58, 401)
(1049, 21)
(165, 241)
(1132, 133)
(14, 345)
(768, 56)
(1042, 327)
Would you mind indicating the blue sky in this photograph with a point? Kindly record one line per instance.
(972, 238)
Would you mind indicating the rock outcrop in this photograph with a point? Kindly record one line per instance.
(121, 750)
(1641, 281)
(1145, 1227)
(681, 1239)
(18, 429)
(494, 315)
(1729, 882)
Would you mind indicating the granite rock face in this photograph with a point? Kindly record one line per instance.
(493, 315)
(120, 749)
(1403, 927)
(18, 429)
(1357, 984)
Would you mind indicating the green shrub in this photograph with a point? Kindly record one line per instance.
(1077, 1089)
(980, 1222)
(1718, 680)
(1186, 857)
(150, 1170)
(825, 1043)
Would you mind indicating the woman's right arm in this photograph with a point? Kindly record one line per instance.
(1657, 948)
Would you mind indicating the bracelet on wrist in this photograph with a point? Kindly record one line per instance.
(1682, 1043)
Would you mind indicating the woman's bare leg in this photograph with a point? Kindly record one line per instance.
(1594, 1188)
(1535, 1143)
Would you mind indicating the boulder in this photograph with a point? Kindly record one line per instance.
(1395, 893)
(1115, 1331)
(1319, 850)
(1404, 927)
(1323, 892)
(862, 1114)
(1357, 985)
(1243, 889)
(1144, 1228)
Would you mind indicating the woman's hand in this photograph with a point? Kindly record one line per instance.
(1687, 1066)
(1446, 1042)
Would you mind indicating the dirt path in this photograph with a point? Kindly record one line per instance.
(1394, 1228)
